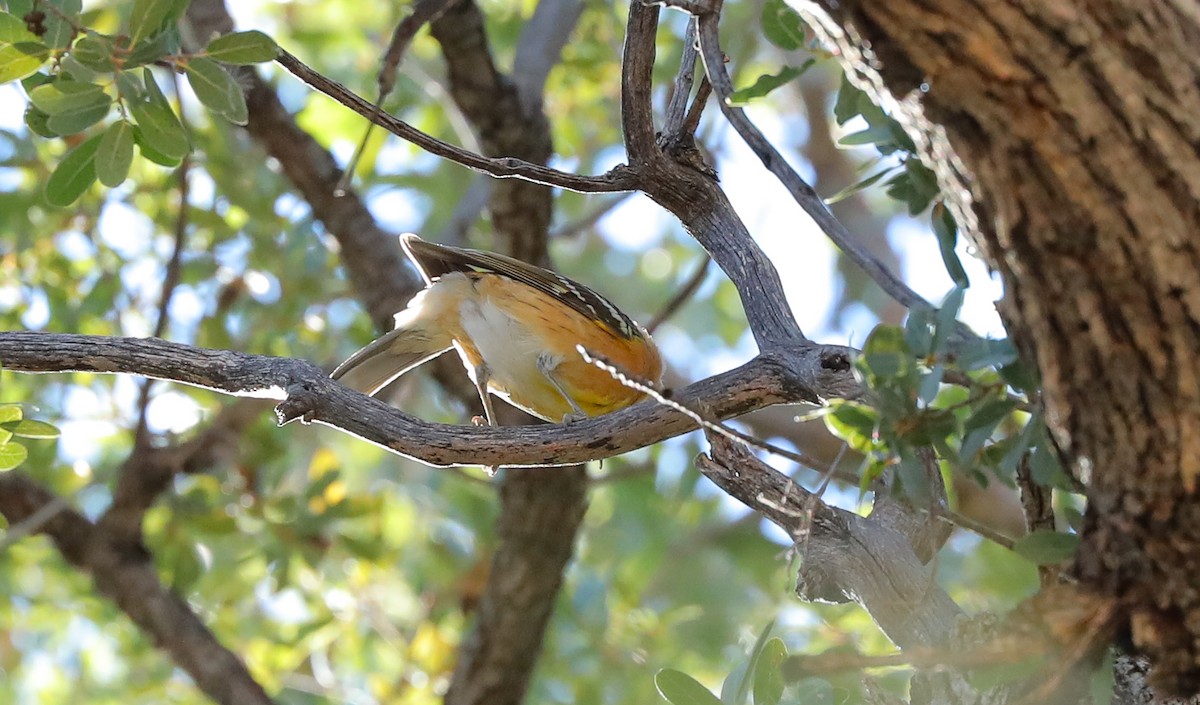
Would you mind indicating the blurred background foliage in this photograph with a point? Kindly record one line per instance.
(343, 573)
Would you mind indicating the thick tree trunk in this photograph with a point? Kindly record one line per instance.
(1069, 130)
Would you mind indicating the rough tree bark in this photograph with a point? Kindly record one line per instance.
(1068, 134)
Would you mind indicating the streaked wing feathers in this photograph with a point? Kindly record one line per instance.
(434, 260)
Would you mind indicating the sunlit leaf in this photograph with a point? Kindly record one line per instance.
(243, 48)
(1047, 547)
(782, 25)
(681, 689)
(217, 90)
(20, 60)
(767, 83)
(30, 428)
(12, 454)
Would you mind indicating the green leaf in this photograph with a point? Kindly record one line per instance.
(38, 122)
(990, 414)
(148, 151)
(979, 353)
(946, 231)
(29, 428)
(946, 320)
(160, 128)
(115, 154)
(918, 331)
(12, 454)
(845, 108)
(60, 30)
(74, 174)
(14, 31)
(72, 106)
(1047, 547)
(782, 25)
(858, 186)
(768, 678)
(920, 184)
(152, 49)
(886, 353)
(20, 60)
(94, 51)
(68, 96)
(148, 18)
(738, 684)
(217, 90)
(871, 135)
(679, 688)
(251, 47)
(931, 383)
(130, 88)
(767, 83)
(853, 422)
(1044, 467)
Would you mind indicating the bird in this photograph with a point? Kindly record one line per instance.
(518, 330)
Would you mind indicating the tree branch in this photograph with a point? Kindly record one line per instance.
(620, 178)
(802, 373)
(637, 73)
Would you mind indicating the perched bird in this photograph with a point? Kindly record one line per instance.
(516, 328)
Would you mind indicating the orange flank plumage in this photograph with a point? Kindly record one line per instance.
(516, 328)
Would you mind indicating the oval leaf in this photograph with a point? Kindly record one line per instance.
(768, 676)
(217, 90)
(12, 454)
(681, 689)
(14, 31)
(782, 25)
(148, 151)
(74, 174)
(29, 428)
(115, 154)
(94, 51)
(67, 97)
(1047, 547)
(148, 17)
(251, 47)
(160, 128)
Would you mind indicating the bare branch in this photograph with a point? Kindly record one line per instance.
(801, 373)
(847, 556)
(620, 178)
(637, 70)
(805, 196)
(125, 573)
(681, 89)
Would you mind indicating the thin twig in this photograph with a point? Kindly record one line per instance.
(804, 195)
(681, 89)
(692, 122)
(681, 297)
(619, 178)
(423, 11)
(637, 74)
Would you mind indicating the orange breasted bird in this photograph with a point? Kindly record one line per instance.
(516, 328)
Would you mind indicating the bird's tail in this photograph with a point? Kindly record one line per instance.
(385, 359)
